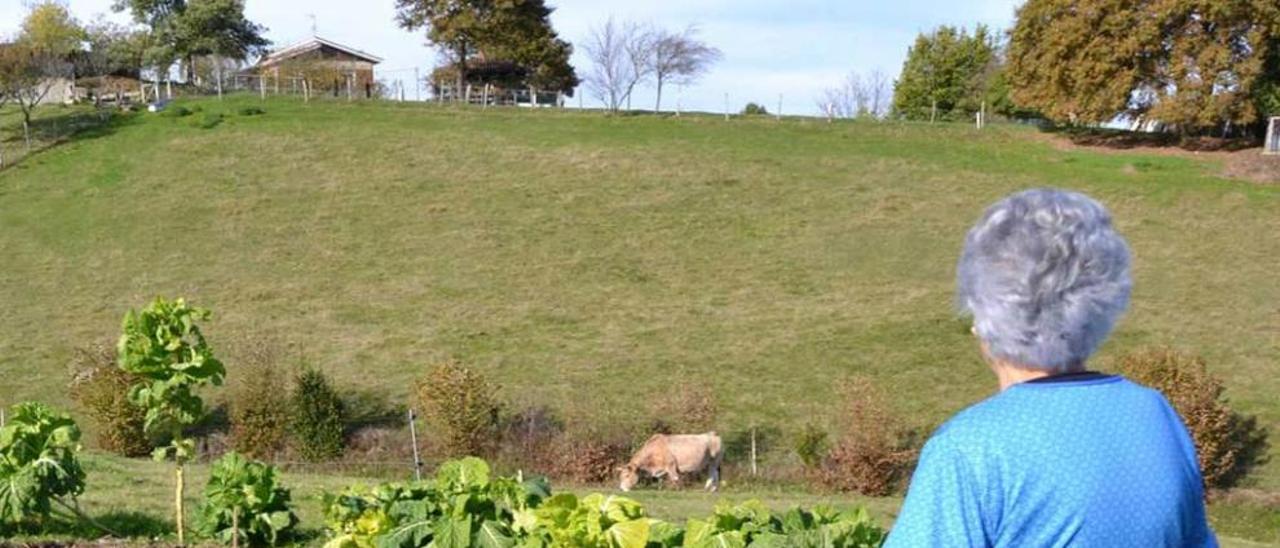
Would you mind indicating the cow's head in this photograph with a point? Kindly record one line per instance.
(629, 477)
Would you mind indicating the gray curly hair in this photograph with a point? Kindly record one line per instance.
(1045, 277)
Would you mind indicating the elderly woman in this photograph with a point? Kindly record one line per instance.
(1061, 456)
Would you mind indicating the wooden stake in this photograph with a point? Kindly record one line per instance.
(178, 505)
(754, 471)
(413, 433)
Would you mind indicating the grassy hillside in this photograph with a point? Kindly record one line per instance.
(592, 263)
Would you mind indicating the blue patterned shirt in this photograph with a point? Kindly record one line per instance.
(1091, 461)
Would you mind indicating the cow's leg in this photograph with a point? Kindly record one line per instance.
(673, 474)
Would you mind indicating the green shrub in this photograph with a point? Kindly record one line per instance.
(101, 388)
(753, 109)
(251, 111)
(243, 501)
(1228, 443)
(462, 407)
(259, 405)
(208, 120)
(811, 445)
(318, 417)
(38, 464)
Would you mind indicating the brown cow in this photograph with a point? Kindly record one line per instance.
(672, 455)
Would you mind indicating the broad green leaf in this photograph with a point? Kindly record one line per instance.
(628, 534)
(452, 533)
(493, 534)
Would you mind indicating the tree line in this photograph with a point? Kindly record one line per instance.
(1196, 69)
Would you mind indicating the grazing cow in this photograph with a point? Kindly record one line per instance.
(672, 455)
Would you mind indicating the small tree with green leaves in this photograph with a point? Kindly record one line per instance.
(163, 346)
(318, 417)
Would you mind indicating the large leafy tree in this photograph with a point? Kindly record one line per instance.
(184, 29)
(947, 71)
(458, 27)
(1194, 65)
(160, 51)
(217, 28)
(522, 33)
(517, 31)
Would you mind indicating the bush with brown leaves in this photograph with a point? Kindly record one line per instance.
(260, 403)
(1228, 443)
(462, 408)
(686, 409)
(102, 390)
(875, 453)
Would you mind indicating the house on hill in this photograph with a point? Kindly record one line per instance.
(327, 66)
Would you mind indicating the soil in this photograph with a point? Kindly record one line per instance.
(1241, 160)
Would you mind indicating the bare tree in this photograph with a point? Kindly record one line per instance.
(857, 97)
(679, 57)
(619, 55)
(640, 44)
(879, 93)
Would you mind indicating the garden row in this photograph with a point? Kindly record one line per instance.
(463, 506)
(144, 398)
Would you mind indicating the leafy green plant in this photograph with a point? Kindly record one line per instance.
(811, 445)
(465, 507)
(163, 346)
(594, 521)
(244, 503)
(751, 524)
(38, 464)
(252, 111)
(318, 416)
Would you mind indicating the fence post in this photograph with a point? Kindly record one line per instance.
(413, 433)
(1272, 145)
(777, 115)
(417, 85)
(754, 471)
(262, 87)
(726, 106)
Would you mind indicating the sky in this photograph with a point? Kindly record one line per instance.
(789, 48)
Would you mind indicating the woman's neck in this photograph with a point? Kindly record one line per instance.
(1009, 375)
